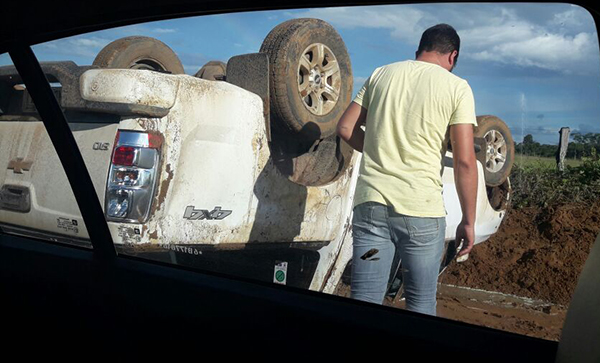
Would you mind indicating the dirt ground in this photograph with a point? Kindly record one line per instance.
(521, 280)
(537, 253)
(510, 313)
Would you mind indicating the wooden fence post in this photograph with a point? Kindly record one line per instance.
(563, 143)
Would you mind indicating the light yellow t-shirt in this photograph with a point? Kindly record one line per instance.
(410, 105)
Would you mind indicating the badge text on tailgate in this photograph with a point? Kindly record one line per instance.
(194, 214)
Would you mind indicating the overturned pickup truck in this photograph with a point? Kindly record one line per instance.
(236, 170)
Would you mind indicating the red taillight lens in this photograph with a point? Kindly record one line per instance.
(133, 176)
(124, 155)
(154, 141)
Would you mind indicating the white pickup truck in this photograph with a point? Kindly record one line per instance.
(240, 173)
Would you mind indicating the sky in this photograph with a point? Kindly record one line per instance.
(536, 66)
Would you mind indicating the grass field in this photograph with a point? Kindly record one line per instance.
(527, 161)
(536, 182)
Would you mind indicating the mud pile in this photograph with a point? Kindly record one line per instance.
(537, 253)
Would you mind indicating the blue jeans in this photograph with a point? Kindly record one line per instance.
(379, 235)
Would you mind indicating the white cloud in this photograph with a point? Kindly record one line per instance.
(559, 44)
(505, 34)
(403, 22)
(88, 42)
(585, 128)
(359, 81)
(141, 29)
(80, 46)
(50, 45)
(163, 30)
(547, 51)
(570, 19)
(492, 35)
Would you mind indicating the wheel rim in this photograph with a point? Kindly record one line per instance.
(495, 157)
(319, 80)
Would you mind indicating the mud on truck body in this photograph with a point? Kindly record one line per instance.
(237, 169)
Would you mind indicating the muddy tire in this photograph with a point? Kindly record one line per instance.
(310, 77)
(139, 52)
(212, 71)
(500, 149)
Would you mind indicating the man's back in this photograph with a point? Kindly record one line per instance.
(410, 105)
(399, 210)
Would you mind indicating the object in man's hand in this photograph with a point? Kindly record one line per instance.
(462, 258)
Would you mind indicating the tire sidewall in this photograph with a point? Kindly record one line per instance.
(212, 69)
(486, 124)
(316, 32)
(125, 52)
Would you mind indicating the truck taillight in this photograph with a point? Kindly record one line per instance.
(123, 155)
(132, 178)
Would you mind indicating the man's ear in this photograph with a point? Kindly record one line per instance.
(452, 58)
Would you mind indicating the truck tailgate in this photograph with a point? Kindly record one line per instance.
(35, 194)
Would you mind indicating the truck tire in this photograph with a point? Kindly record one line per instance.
(137, 52)
(500, 149)
(212, 71)
(310, 77)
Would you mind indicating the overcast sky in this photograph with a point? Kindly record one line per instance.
(536, 66)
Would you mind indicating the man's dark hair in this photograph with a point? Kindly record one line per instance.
(440, 38)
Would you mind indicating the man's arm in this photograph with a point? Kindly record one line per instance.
(348, 128)
(465, 177)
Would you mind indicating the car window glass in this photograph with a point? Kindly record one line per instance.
(30, 204)
(192, 169)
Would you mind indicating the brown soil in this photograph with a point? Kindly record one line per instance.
(511, 315)
(537, 253)
(492, 310)
(502, 312)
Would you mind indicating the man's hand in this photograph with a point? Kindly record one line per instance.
(466, 234)
(348, 128)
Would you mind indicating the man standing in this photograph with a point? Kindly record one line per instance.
(408, 108)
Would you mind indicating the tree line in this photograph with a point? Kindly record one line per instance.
(580, 146)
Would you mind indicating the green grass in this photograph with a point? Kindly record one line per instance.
(528, 161)
(536, 182)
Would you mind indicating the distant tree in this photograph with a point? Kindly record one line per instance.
(584, 145)
(529, 146)
(548, 151)
(532, 148)
(589, 138)
(576, 150)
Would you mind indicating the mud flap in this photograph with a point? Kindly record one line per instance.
(251, 72)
